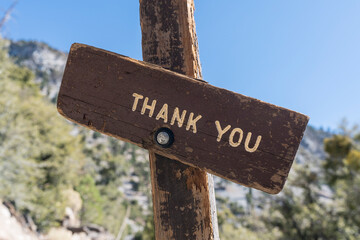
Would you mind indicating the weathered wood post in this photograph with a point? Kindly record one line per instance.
(183, 196)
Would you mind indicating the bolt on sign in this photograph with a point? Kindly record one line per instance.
(233, 136)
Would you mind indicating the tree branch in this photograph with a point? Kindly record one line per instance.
(7, 14)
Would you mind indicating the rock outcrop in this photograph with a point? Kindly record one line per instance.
(11, 227)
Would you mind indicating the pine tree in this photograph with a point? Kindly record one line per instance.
(39, 157)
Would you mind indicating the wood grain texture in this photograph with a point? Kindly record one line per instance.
(183, 196)
(97, 92)
(180, 200)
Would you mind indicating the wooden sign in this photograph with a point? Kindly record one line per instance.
(228, 134)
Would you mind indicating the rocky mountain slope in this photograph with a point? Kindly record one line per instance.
(47, 63)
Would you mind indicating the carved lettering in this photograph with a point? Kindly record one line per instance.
(236, 135)
(151, 107)
(232, 134)
(163, 113)
(247, 141)
(136, 100)
(176, 117)
(220, 130)
(192, 122)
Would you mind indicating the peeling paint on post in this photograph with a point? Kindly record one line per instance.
(183, 196)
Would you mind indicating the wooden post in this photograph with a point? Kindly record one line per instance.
(183, 196)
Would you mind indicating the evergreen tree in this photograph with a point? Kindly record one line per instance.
(39, 158)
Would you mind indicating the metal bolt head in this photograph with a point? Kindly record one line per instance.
(164, 137)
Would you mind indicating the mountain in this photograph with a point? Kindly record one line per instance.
(47, 63)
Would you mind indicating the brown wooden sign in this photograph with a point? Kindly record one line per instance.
(228, 134)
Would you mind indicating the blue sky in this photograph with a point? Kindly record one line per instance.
(303, 55)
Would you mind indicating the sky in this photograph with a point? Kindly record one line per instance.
(302, 55)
